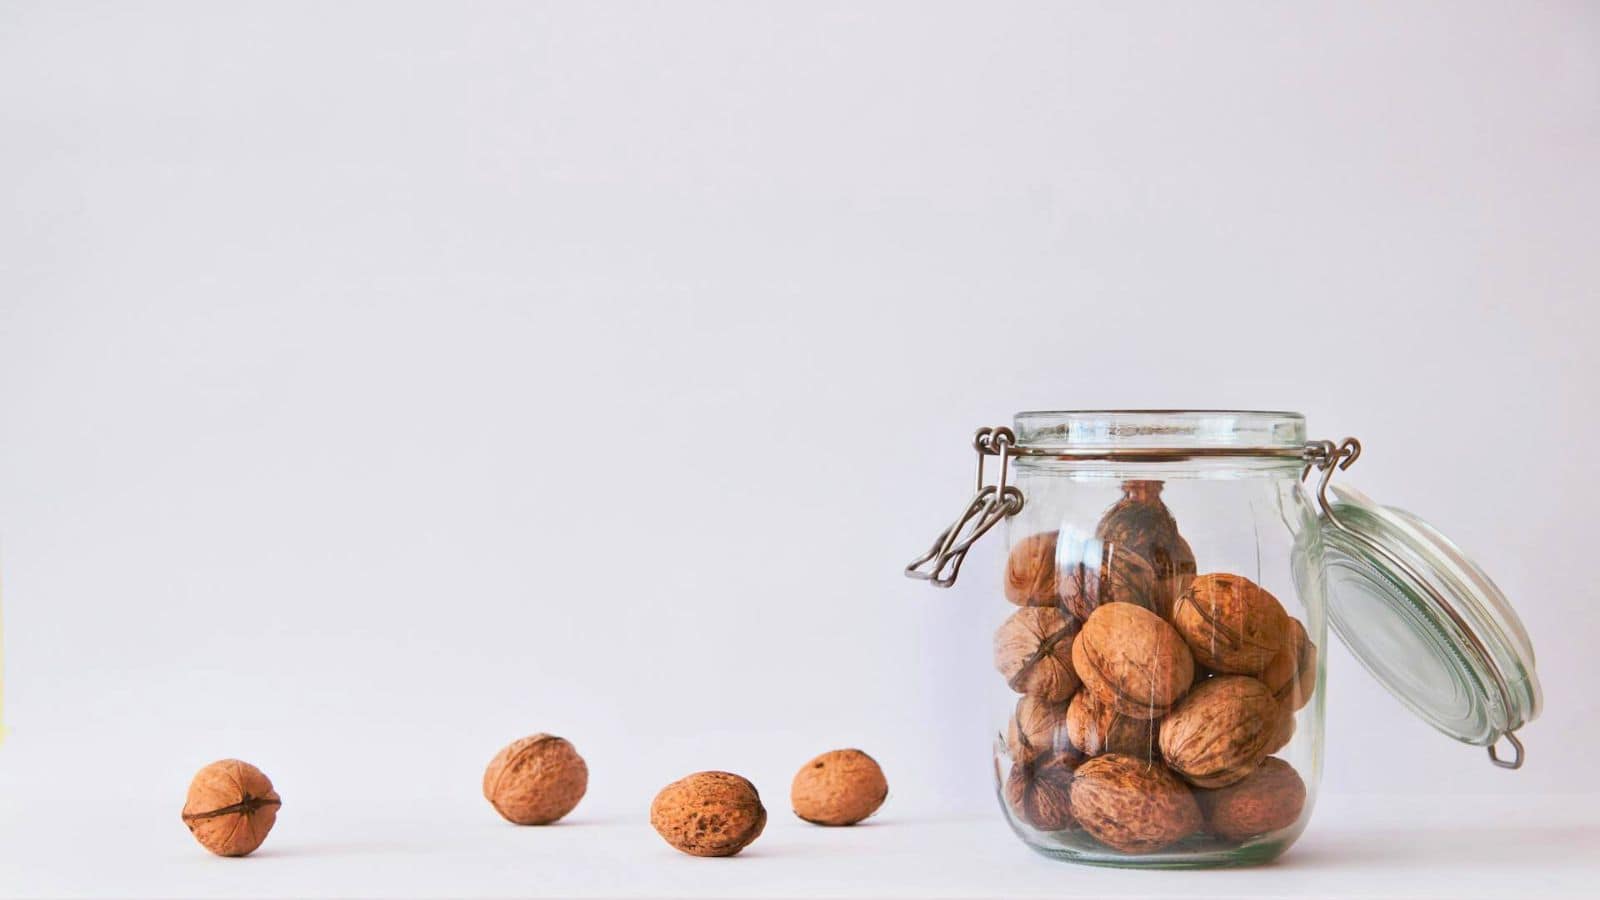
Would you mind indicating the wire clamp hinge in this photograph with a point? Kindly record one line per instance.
(991, 504)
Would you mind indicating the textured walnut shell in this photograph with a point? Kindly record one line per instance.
(1031, 571)
(1132, 660)
(1040, 792)
(1221, 731)
(840, 787)
(1133, 805)
(230, 808)
(1121, 576)
(1267, 799)
(1232, 624)
(1291, 674)
(536, 780)
(1037, 726)
(1284, 732)
(1140, 524)
(1174, 574)
(709, 814)
(1095, 728)
(1033, 650)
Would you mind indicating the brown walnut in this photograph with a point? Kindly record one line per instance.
(1039, 791)
(1118, 576)
(1132, 660)
(1140, 524)
(840, 787)
(1174, 574)
(1283, 732)
(1232, 624)
(230, 808)
(1133, 805)
(1291, 674)
(1031, 571)
(1267, 799)
(1221, 731)
(535, 780)
(1095, 728)
(1037, 726)
(1033, 650)
(709, 814)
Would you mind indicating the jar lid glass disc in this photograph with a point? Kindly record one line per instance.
(1426, 621)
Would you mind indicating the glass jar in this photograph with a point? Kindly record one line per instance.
(1169, 583)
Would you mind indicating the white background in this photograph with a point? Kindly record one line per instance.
(382, 382)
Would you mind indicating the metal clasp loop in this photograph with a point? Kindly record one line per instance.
(1328, 457)
(991, 504)
(1513, 763)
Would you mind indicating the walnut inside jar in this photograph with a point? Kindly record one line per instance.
(1232, 624)
(1268, 799)
(1133, 805)
(1291, 675)
(1132, 660)
(1221, 731)
(1030, 578)
(1140, 525)
(1284, 732)
(1095, 728)
(1039, 791)
(1112, 575)
(1038, 726)
(1033, 650)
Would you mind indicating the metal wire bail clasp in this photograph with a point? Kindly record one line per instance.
(988, 506)
(1327, 458)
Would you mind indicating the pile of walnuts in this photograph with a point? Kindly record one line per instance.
(1153, 697)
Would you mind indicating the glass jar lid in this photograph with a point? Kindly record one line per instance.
(1424, 619)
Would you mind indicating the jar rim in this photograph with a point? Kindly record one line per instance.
(1159, 429)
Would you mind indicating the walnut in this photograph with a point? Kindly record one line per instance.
(1268, 799)
(1132, 660)
(1284, 732)
(1141, 525)
(1031, 571)
(536, 780)
(1220, 732)
(1117, 576)
(1095, 728)
(709, 814)
(230, 808)
(1037, 726)
(1291, 674)
(1033, 650)
(1039, 791)
(1133, 805)
(1232, 624)
(840, 787)
(1174, 573)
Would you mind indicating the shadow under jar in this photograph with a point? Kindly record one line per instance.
(1169, 582)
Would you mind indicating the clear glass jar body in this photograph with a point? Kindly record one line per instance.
(1160, 699)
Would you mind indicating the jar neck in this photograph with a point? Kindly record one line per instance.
(1160, 432)
(1232, 468)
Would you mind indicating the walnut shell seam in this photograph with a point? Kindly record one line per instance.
(1046, 648)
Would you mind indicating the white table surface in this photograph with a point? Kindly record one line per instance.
(1357, 846)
